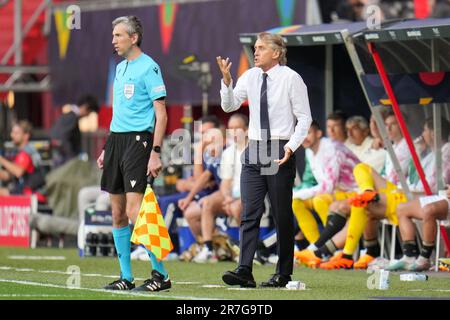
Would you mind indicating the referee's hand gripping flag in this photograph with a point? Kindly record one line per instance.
(150, 229)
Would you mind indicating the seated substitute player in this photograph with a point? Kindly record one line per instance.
(227, 200)
(331, 164)
(429, 209)
(340, 209)
(390, 174)
(380, 198)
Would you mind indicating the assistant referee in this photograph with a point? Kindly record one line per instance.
(132, 151)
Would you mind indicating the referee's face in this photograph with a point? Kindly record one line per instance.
(122, 41)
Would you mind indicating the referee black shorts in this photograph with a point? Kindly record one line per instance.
(125, 162)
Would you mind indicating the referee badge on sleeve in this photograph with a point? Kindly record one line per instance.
(128, 90)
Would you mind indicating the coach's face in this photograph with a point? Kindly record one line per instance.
(122, 41)
(265, 56)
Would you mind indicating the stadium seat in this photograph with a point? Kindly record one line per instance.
(446, 224)
(385, 222)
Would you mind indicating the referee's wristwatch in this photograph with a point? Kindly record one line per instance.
(157, 149)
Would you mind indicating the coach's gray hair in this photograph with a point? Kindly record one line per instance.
(133, 24)
(276, 42)
(358, 120)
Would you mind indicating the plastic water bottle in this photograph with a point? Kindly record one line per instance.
(383, 280)
(413, 277)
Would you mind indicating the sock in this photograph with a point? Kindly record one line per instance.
(410, 249)
(357, 224)
(373, 247)
(335, 223)
(306, 220)
(427, 249)
(363, 177)
(209, 245)
(302, 244)
(122, 242)
(326, 250)
(157, 265)
(321, 204)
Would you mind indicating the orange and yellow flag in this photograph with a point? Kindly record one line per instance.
(150, 229)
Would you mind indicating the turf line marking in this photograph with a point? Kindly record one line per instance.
(62, 272)
(148, 295)
(85, 274)
(35, 296)
(213, 286)
(439, 290)
(36, 257)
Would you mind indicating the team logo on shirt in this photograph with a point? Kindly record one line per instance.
(156, 70)
(128, 90)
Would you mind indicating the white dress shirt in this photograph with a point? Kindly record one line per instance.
(287, 99)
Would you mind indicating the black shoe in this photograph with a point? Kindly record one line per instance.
(155, 283)
(240, 276)
(277, 281)
(121, 284)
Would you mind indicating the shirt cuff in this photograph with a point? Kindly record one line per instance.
(224, 87)
(291, 145)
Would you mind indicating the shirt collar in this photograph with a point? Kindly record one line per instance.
(273, 72)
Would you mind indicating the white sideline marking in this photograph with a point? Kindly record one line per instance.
(34, 296)
(153, 295)
(85, 274)
(439, 290)
(213, 286)
(37, 257)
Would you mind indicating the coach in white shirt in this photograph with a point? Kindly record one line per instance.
(279, 121)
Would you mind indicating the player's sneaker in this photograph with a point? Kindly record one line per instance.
(421, 264)
(404, 263)
(337, 262)
(362, 200)
(155, 283)
(121, 284)
(205, 255)
(308, 258)
(363, 262)
(379, 263)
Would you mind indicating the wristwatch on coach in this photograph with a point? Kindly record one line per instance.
(157, 149)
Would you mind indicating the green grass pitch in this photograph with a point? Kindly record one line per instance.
(23, 276)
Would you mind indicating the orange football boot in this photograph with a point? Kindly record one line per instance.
(362, 200)
(308, 258)
(337, 262)
(363, 262)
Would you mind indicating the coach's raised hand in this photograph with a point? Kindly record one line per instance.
(224, 66)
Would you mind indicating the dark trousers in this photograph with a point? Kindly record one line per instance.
(257, 180)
